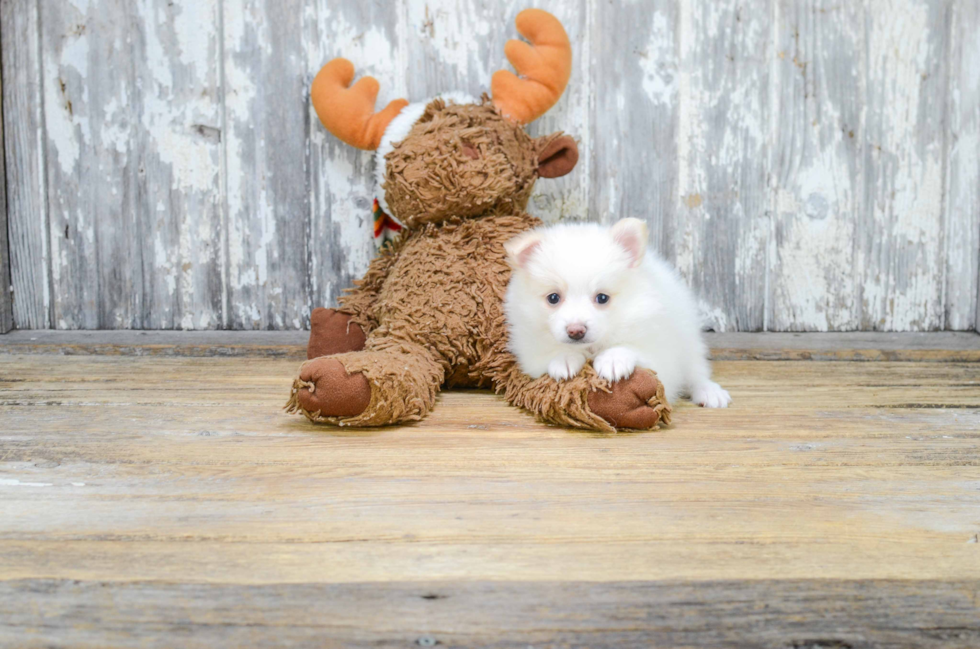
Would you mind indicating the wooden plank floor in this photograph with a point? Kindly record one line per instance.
(167, 501)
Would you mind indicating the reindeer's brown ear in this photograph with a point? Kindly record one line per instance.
(557, 157)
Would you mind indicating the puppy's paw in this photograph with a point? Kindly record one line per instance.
(615, 364)
(565, 367)
(710, 395)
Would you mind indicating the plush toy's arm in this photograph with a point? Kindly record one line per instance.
(586, 401)
(358, 302)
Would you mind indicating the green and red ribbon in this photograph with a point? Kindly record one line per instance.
(383, 223)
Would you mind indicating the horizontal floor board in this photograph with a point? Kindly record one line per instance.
(150, 500)
(776, 614)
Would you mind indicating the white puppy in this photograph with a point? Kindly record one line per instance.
(587, 292)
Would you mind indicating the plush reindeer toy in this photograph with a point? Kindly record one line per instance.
(455, 175)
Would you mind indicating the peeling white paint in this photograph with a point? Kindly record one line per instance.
(866, 231)
(453, 33)
(659, 77)
(61, 121)
(902, 287)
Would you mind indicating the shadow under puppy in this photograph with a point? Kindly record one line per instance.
(582, 291)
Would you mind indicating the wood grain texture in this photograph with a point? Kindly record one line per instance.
(900, 243)
(89, 81)
(811, 614)
(23, 126)
(932, 347)
(808, 165)
(6, 304)
(635, 114)
(166, 498)
(963, 169)
(177, 56)
(267, 126)
(722, 230)
(818, 170)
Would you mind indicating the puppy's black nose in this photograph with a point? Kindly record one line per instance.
(576, 331)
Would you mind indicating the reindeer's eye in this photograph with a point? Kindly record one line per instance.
(601, 298)
(554, 298)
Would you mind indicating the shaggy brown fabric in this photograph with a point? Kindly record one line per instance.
(333, 332)
(432, 174)
(396, 382)
(431, 305)
(358, 302)
(442, 322)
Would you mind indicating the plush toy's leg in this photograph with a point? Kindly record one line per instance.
(389, 382)
(587, 401)
(333, 332)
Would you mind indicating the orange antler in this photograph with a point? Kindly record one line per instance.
(348, 112)
(544, 66)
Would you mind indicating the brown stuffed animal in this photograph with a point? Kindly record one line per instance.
(455, 176)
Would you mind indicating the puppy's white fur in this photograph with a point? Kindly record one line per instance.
(649, 320)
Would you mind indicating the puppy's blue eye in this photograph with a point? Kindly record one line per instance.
(601, 298)
(554, 298)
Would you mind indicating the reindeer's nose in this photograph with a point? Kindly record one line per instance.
(576, 331)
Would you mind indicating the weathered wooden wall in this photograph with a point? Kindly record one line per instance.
(6, 304)
(807, 164)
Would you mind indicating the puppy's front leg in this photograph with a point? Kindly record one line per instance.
(616, 363)
(564, 367)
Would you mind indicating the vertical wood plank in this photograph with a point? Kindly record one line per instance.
(23, 123)
(569, 197)
(130, 101)
(371, 35)
(635, 117)
(721, 234)
(6, 307)
(177, 145)
(963, 170)
(268, 201)
(91, 115)
(901, 241)
(457, 45)
(817, 164)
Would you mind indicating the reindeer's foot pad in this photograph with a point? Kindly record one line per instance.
(636, 402)
(333, 332)
(325, 391)
(392, 382)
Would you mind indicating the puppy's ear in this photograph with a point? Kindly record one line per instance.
(631, 235)
(521, 248)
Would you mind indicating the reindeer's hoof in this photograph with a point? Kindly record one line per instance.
(637, 402)
(325, 389)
